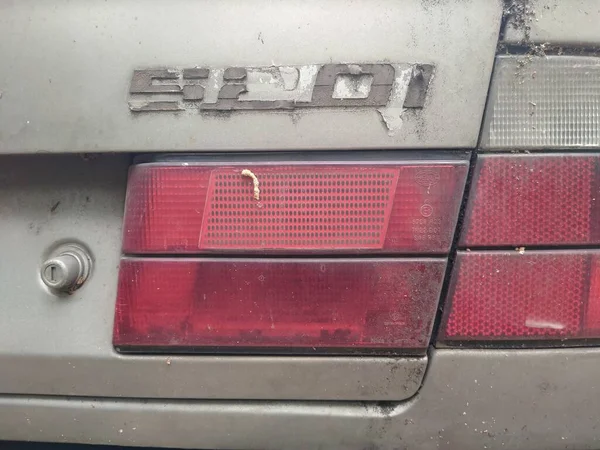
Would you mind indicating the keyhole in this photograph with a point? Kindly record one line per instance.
(51, 273)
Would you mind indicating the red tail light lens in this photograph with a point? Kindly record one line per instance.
(523, 200)
(285, 305)
(537, 295)
(196, 304)
(299, 207)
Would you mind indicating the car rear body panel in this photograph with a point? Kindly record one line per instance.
(64, 88)
(563, 23)
(519, 399)
(63, 345)
(83, 71)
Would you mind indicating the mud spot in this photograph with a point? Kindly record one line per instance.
(520, 13)
(384, 408)
(54, 207)
(546, 387)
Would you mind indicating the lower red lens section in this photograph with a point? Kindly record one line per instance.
(195, 304)
(532, 295)
(592, 316)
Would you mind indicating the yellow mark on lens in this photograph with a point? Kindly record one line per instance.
(249, 174)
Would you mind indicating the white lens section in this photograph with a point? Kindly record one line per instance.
(543, 102)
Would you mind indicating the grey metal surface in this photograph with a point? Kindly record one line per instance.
(546, 103)
(212, 377)
(566, 22)
(471, 399)
(67, 66)
(62, 344)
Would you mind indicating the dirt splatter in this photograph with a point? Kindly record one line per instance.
(54, 207)
(520, 13)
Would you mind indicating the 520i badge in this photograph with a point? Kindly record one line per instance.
(388, 87)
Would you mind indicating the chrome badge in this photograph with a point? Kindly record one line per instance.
(389, 88)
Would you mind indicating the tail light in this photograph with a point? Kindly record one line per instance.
(197, 304)
(534, 200)
(537, 295)
(522, 275)
(180, 292)
(533, 204)
(543, 102)
(541, 206)
(327, 208)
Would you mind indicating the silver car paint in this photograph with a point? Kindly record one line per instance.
(520, 399)
(62, 345)
(66, 68)
(562, 22)
(471, 399)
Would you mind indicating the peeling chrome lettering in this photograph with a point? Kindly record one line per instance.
(388, 88)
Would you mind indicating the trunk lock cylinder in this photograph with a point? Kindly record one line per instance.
(67, 268)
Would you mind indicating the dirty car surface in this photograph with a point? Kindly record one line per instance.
(301, 224)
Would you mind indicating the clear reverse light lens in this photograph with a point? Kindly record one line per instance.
(543, 102)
